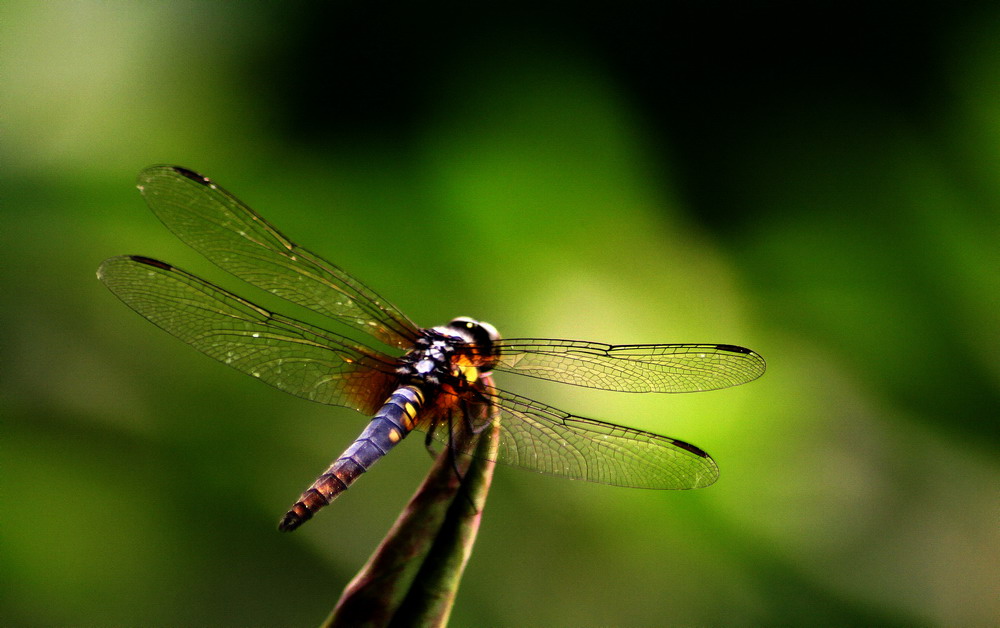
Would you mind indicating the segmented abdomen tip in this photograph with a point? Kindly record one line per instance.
(290, 521)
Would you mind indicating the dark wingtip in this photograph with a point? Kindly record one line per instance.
(689, 447)
(191, 174)
(149, 261)
(733, 349)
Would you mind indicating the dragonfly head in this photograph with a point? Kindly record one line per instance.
(482, 336)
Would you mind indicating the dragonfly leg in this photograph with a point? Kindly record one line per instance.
(452, 451)
(449, 441)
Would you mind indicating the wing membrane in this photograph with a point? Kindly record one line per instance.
(219, 226)
(541, 438)
(292, 356)
(669, 368)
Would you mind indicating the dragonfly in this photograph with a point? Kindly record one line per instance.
(439, 380)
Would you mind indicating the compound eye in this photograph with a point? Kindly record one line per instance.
(482, 333)
(491, 331)
(463, 322)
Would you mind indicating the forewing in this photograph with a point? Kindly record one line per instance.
(541, 438)
(669, 368)
(292, 356)
(237, 239)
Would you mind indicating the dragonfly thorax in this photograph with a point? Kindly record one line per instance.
(455, 354)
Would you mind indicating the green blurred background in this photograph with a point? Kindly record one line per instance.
(822, 187)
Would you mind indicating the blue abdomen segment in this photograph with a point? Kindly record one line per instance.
(395, 419)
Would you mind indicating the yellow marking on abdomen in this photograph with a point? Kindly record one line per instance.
(409, 415)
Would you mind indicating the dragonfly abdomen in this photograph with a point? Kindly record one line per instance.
(395, 419)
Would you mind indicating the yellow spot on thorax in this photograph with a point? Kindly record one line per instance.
(465, 369)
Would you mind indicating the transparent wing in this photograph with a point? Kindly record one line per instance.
(292, 356)
(216, 224)
(541, 438)
(669, 368)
